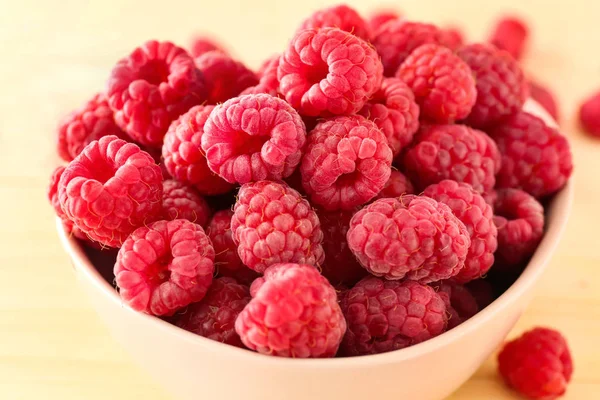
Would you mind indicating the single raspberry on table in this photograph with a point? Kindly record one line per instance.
(545, 98)
(214, 316)
(267, 74)
(110, 189)
(380, 17)
(273, 224)
(453, 37)
(203, 44)
(519, 218)
(396, 186)
(164, 267)
(182, 202)
(347, 162)
(183, 156)
(253, 137)
(339, 16)
(501, 85)
(510, 33)
(460, 303)
(454, 152)
(538, 364)
(151, 87)
(535, 157)
(413, 237)
(91, 122)
(589, 115)
(293, 313)
(443, 84)
(395, 112)
(478, 216)
(328, 71)
(225, 77)
(385, 315)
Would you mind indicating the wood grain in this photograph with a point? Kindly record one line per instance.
(55, 55)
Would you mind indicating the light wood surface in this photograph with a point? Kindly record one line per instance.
(56, 54)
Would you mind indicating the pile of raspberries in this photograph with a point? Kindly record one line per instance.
(350, 197)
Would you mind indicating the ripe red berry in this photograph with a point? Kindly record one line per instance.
(340, 16)
(203, 44)
(510, 34)
(182, 202)
(589, 115)
(545, 98)
(396, 186)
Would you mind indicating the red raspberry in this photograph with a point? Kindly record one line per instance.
(545, 98)
(340, 266)
(454, 152)
(182, 202)
(272, 224)
(396, 39)
(589, 115)
(380, 17)
(410, 236)
(183, 156)
(253, 137)
(395, 112)
(396, 186)
(471, 208)
(203, 44)
(164, 267)
(328, 71)
(151, 87)
(460, 303)
(293, 313)
(510, 34)
(340, 16)
(214, 317)
(385, 315)
(110, 189)
(82, 126)
(482, 291)
(268, 82)
(501, 85)
(225, 77)
(538, 364)
(520, 221)
(535, 156)
(443, 84)
(346, 164)
(453, 37)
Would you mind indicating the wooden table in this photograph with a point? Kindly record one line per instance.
(52, 345)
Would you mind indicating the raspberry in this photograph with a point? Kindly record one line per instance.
(347, 162)
(272, 224)
(501, 85)
(535, 156)
(82, 126)
(328, 71)
(471, 208)
(538, 364)
(182, 202)
(412, 237)
(396, 186)
(453, 37)
(454, 152)
(544, 97)
(340, 16)
(482, 291)
(395, 112)
(510, 34)
(396, 39)
(164, 267)
(253, 137)
(203, 44)
(268, 82)
(214, 317)
(110, 189)
(151, 87)
(460, 303)
(389, 315)
(520, 221)
(293, 313)
(340, 266)
(380, 17)
(183, 156)
(443, 84)
(589, 115)
(225, 77)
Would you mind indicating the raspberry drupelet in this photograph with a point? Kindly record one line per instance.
(510, 33)
(273, 224)
(460, 303)
(151, 87)
(386, 315)
(545, 98)
(395, 112)
(253, 137)
(268, 82)
(164, 267)
(412, 237)
(182, 202)
(183, 156)
(110, 189)
(347, 162)
(396, 186)
(443, 84)
(340, 16)
(328, 71)
(293, 313)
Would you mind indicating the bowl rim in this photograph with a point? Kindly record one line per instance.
(560, 210)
